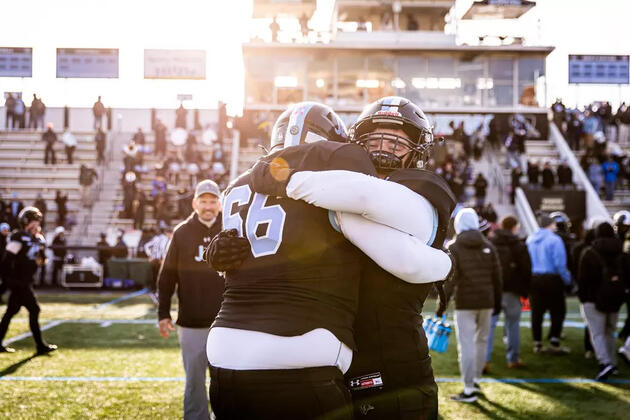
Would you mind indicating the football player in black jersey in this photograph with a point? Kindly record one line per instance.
(391, 374)
(281, 166)
(24, 253)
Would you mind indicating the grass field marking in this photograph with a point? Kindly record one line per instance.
(182, 379)
(22, 336)
(122, 298)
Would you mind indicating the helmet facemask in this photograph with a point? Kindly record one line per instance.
(390, 151)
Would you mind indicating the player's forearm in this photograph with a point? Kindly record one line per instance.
(381, 201)
(396, 252)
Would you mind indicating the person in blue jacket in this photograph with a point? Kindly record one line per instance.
(550, 276)
(610, 169)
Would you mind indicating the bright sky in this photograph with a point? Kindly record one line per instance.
(573, 27)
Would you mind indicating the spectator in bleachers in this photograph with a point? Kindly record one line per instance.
(5, 230)
(548, 177)
(184, 207)
(610, 169)
(173, 163)
(62, 210)
(59, 254)
(512, 150)
(9, 105)
(412, 23)
(99, 139)
(40, 203)
(591, 125)
(158, 186)
(15, 207)
(191, 154)
(623, 123)
(103, 253)
(129, 192)
(574, 131)
(160, 138)
(70, 142)
(36, 113)
(180, 116)
(565, 174)
(533, 173)
(304, 26)
(138, 137)
(120, 250)
(516, 272)
(19, 112)
(550, 275)
(477, 288)
(558, 110)
(595, 173)
(162, 209)
(86, 180)
(50, 138)
(515, 182)
(98, 110)
(274, 27)
(603, 275)
(481, 186)
(193, 172)
(139, 204)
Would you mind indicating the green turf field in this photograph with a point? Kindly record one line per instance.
(108, 367)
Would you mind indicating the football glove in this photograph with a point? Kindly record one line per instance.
(227, 251)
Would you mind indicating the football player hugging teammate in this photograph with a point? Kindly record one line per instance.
(333, 281)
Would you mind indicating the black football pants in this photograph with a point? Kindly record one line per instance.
(22, 296)
(547, 294)
(312, 393)
(413, 402)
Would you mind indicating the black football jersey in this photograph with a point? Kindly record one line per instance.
(388, 327)
(25, 261)
(301, 274)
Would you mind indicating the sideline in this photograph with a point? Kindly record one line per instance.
(122, 298)
(27, 334)
(182, 379)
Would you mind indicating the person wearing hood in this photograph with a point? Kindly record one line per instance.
(550, 275)
(603, 275)
(476, 286)
(516, 269)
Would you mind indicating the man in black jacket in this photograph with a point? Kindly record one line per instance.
(199, 291)
(516, 268)
(50, 138)
(477, 287)
(603, 276)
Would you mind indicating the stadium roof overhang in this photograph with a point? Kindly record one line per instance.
(276, 48)
(270, 8)
(498, 9)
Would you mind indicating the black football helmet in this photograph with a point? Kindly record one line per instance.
(29, 214)
(397, 113)
(563, 223)
(307, 122)
(622, 218)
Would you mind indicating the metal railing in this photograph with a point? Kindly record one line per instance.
(594, 206)
(525, 213)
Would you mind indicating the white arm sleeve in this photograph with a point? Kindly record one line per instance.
(375, 199)
(396, 252)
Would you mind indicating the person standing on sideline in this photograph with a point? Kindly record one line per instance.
(550, 276)
(98, 110)
(156, 251)
(50, 138)
(603, 276)
(23, 254)
(516, 270)
(477, 287)
(199, 290)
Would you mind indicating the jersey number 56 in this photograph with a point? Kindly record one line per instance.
(257, 214)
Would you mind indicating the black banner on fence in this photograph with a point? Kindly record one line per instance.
(572, 202)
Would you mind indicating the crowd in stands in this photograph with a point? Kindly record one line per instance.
(602, 137)
(17, 112)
